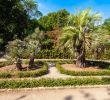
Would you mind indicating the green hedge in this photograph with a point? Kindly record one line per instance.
(5, 75)
(21, 74)
(60, 61)
(26, 83)
(54, 54)
(82, 73)
(5, 63)
(34, 73)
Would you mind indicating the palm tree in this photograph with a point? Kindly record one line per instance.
(76, 34)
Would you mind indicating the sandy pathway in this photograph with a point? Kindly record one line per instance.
(60, 94)
(54, 73)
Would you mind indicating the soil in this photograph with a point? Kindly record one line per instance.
(74, 68)
(13, 67)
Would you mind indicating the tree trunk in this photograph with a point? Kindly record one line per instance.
(80, 55)
(80, 61)
(31, 62)
(18, 64)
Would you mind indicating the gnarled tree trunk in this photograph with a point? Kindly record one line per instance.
(18, 64)
(31, 62)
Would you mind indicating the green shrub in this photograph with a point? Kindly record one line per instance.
(53, 54)
(5, 63)
(5, 75)
(2, 64)
(34, 73)
(82, 73)
(30, 83)
(60, 61)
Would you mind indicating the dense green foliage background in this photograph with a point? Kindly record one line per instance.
(23, 29)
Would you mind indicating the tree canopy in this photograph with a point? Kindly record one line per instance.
(15, 18)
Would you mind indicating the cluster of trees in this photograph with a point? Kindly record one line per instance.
(79, 33)
(16, 19)
(82, 35)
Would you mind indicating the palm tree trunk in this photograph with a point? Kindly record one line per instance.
(80, 61)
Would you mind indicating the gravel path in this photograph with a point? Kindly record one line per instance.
(59, 94)
(54, 73)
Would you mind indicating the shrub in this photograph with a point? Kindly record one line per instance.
(82, 73)
(2, 64)
(5, 75)
(53, 54)
(34, 73)
(5, 63)
(47, 82)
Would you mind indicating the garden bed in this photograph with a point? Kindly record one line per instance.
(10, 71)
(71, 69)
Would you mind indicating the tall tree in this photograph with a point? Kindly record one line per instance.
(15, 16)
(76, 34)
(54, 20)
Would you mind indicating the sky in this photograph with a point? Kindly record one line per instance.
(101, 6)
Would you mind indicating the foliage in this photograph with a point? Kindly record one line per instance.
(53, 54)
(35, 73)
(34, 40)
(76, 34)
(27, 83)
(16, 47)
(82, 73)
(106, 24)
(47, 43)
(5, 63)
(15, 18)
(5, 75)
(54, 20)
(100, 42)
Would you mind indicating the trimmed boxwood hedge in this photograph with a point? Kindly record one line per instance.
(21, 74)
(34, 73)
(82, 73)
(5, 63)
(47, 82)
